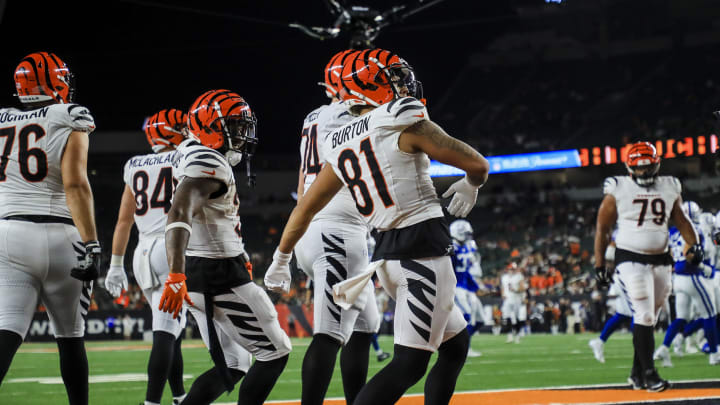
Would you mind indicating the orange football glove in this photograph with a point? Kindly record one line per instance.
(174, 293)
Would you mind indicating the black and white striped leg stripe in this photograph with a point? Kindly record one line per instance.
(246, 324)
(86, 292)
(338, 272)
(418, 302)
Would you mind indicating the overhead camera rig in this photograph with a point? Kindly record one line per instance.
(361, 22)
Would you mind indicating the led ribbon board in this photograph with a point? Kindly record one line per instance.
(524, 162)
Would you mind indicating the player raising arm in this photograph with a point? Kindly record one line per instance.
(382, 157)
(48, 220)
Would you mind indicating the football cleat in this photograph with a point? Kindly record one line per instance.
(662, 353)
(598, 348)
(383, 356)
(653, 382)
(690, 347)
(636, 382)
(714, 358)
(473, 353)
(509, 338)
(678, 345)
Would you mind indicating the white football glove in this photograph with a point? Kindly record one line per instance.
(116, 280)
(464, 197)
(707, 270)
(277, 277)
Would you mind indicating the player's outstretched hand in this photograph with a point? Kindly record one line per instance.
(87, 269)
(116, 281)
(277, 276)
(602, 276)
(463, 195)
(174, 294)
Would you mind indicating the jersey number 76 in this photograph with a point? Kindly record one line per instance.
(24, 152)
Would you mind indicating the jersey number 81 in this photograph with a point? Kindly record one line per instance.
(355, 182)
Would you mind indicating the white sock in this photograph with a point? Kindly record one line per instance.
(180, 398)
(151, 403)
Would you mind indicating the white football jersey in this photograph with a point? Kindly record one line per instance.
(33, 144)
(150, 178)
(317, 127)
(392, 189)
(643, 212)
(510, 285)
(216, 229)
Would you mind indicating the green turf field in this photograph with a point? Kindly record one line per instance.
(538, 361)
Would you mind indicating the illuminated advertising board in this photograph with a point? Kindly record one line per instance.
(583, 157)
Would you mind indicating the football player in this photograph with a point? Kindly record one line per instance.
(466, 262)
(48, 241)
(382, 156)
(693, 287)
(513, 290)
(642, 204)
(333, 249)
(202, 238)
(145, 202)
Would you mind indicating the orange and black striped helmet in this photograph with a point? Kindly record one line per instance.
(164, 128)
(333, 70)
(222, 120)
(42, 76)
(643, 163)
(377, 76)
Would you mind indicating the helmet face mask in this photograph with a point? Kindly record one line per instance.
(403, 82)
(239, 133)
(644, 175)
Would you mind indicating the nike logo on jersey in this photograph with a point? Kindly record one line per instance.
(212, 173)
(421, 115)
(176, 287)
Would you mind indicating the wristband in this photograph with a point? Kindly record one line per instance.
(116, 260)
(179, 224)
(472, 185)
(176, 277)
(282, 258)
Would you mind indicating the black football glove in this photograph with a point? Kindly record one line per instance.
(602, 276)
(87, 269)
(697, 253)
(716, 238)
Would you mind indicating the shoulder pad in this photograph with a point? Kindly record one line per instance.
(79, 118)
(201, 162)
(403, 112)
(609, 185)
(677, 186)
(313, 116)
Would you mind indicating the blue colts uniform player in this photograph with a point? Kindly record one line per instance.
(466, 261)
